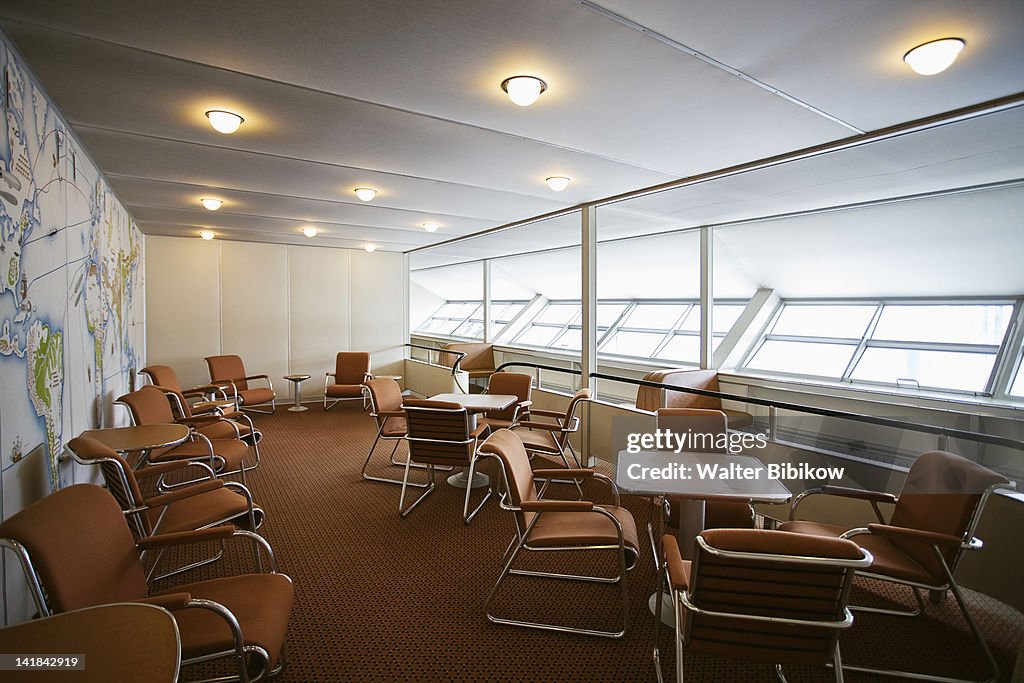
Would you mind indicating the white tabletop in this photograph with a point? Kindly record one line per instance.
(700, 476)
(479, 402)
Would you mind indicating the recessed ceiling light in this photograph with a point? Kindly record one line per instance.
(310, 231)
(370, 248)
(557, 182)
(366, 193)
(430, 226)
(207, 234)
(224, 121)
(523, 90)
(935, 56)
(211, 204)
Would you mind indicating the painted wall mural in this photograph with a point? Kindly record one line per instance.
(71, 281)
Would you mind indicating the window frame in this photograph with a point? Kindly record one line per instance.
(475, 315)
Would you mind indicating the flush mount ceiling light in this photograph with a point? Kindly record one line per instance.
(310, 231)
(557, 182)
(523, 90)
(211, 204)
(224, 121)
(366, 193)
(370, 248)
(935, 56)
(207, 234)
(430, 226)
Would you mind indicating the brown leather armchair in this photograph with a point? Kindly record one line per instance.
(931, 527)
(439, 434)
(351, 370)
(229, 372)
(651, 399)
(76, 551)
(766, 596)
(208, 503)
(509, 383)
(551, 525)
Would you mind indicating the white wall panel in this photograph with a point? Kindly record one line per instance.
(318, 302)
(254, 308)
(378, 309)
(183, 289)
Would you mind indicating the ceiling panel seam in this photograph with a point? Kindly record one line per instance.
(711, 61)
(317, 162)
(328, 93)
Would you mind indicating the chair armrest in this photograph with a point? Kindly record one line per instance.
(156, 470)
(678, 568)
(479, 431)
(540, 425)
(216, 533)
(573, 473)
(525, 404)
(556, 506)
(201, 419)
(180, 494)
(169, 601)
(331, 374)
(391, 413)
(898, 533)
(859, 494)
(266, 377)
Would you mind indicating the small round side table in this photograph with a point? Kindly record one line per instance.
(297, 380)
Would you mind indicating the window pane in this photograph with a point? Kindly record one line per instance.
(803, 358)
(608, 313)
(725, 317)
(471, 329)
(848, 322)
(957, 324)
(572, 339)
(505, 312)
(496, 329)
(457, 310)
(558, 313)
(940, 369)
(1018, 384)
(682, 347)
(640, 344)
(438, 326)
(655, 316)
(537, 336)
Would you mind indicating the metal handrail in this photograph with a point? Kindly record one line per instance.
(946, 432)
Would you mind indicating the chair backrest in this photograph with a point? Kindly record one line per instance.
(117, 475)
(478, 356)
(516, 383)
(148, 406)
(224, 368)
(163, 376)
(515, 464)
(698, 421)
(650, 398)
(438, 432)
(780, 575)
(385, 397)
(351, 367)
(942, 493)
(81, 548)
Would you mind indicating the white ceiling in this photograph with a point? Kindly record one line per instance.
(404, 97)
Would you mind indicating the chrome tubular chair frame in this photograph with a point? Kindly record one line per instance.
(683, 598)
(382, 420)
(335, 401)
(467, 516)
(253, 439)
(520, 543)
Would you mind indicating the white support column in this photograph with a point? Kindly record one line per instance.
(588, 294)
(707, 260)
(487, 300)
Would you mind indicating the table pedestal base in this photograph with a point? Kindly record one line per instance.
(297, 408)
(668, 615)
(461, 480)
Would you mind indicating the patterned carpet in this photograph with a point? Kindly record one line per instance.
(384, 599)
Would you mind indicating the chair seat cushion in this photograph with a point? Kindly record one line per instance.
(212, 507)
(261, 603)
(584, 528)
(889, 560)
(494, 423)
(395, 426)
(538, 440)
(258, 396)
(345, 390)
(225, 430)
(232, 451)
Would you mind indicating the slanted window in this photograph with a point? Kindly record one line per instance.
(465, 319)
(947, 346)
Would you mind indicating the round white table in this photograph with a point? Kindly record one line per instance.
(297, 380)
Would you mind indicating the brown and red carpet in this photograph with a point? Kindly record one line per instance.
(379, 598)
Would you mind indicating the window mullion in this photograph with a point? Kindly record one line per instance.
(863, 344)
